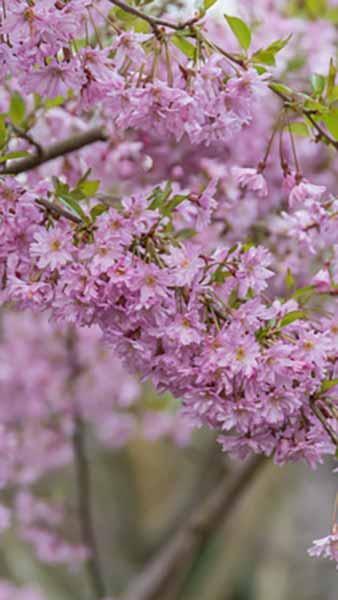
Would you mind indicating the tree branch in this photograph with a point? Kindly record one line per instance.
(84, 508)
(316, 410)
(155, 22)
(306, 113)
(151, 584)
(71, 144)
(83, 481)
(58, 211)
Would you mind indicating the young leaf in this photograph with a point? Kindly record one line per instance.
(172, 204)
(267, 55)
(331, 79)
(208, 4)
(12, 155)
(182, 44)
(72, 203)
(240, 30)
(281, 89)
(89, 188)
(17, 108)
(290, 317)
(289, 279)
(159, 197)
(299, 128)
(318, 83)
(328, 384)
(331, 122)
(3, 131)
(185, 234)
(98, 210)
(304, 292)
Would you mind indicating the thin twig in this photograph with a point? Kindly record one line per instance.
(71, 144)
(316, 410)
(323, 134)
(26, 136)
(152, 583)
(305, 112)
(57, 210)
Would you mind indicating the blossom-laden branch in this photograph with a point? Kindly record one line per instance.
(211, 514)
(62, 148)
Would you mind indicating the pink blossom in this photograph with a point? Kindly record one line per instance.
(303, 192)
(53, 80)
(327, 546)
(251, 179)
(52, 247)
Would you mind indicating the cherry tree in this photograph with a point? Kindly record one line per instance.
(168, 200)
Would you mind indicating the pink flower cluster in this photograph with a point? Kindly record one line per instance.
(167, 273)
(137, 81)
(198, 324)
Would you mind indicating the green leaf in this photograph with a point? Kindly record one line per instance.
(318, 83)
(289, 279)
(98, 210)
(328, 384)
(290, 317)
(89, 188)
(172, 204)
(72, 203)
(331, 79)
(159, 196)
(267, 55)
(12, 155)
(182, 44)
(54, 102)
(316, 8)
(130, 21)
(331, 122)
(185, 233)
(208, 4)
(282, 89)
(17, 108)
(68, 197)
(221, 274)
(304, 292)
(3, 131)
(299, 128)
(240, 30)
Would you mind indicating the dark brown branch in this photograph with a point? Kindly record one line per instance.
(321, 133)
(71, 144)
(83, 479)
(152, 583)
(155, 22)
(26, 136)
(84, 507)
(306, 113)
(58, 211)
(331, 433)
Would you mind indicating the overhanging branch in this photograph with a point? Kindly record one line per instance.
(71, 144)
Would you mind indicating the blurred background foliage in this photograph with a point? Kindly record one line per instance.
(143, 493)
